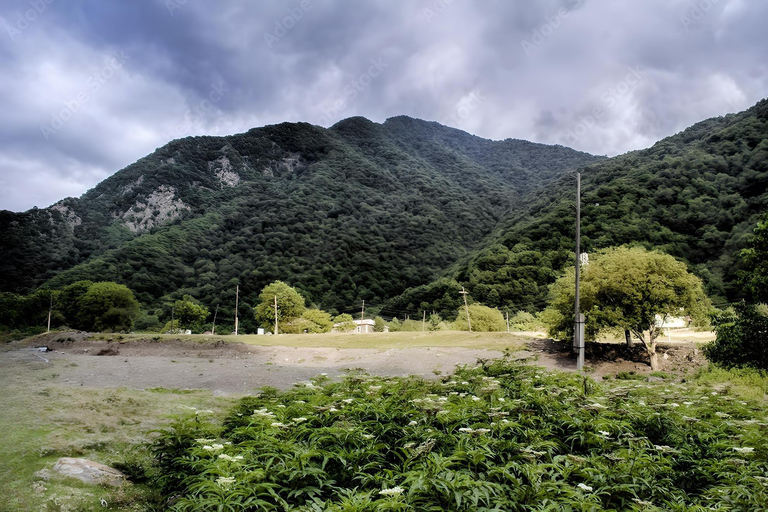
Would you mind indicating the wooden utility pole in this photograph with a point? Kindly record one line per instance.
(507, 321)
(237, 305)
(424, 322)
(50, 310)
(464, 293)
(578, 331)
(213, 331)
(362, 317)
(275, 314)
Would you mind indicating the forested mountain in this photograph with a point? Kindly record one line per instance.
(358, 211)
(402, 213)
(696, 195)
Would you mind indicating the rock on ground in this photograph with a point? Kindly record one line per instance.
(88, 471)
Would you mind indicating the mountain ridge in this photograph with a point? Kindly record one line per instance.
(404, 194)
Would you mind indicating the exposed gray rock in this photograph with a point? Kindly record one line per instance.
(161, 207)
(88, 471)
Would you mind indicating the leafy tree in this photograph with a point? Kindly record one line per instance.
(311, 321)
(172, 327)
(755, 276)
(483, 319)
(344, 323)
(290, 304)
(627, 288)
(435, 322)
(379, 324)
(740, 340)
(68, 301)
(189, 313)
(107, 306)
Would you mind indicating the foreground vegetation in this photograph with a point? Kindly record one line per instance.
(500, 436)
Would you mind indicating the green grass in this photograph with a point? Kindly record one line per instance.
(41, 422)
(746, 383)
(391, 340)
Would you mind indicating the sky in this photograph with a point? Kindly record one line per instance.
(89, 87)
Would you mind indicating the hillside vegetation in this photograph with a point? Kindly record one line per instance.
(401, 214)
(358, 211)
(696, 196)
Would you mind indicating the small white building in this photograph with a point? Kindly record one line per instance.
(361, 327)
(364, 326)
(672, 322)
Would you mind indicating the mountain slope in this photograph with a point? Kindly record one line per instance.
(695, 195)
(358, 211)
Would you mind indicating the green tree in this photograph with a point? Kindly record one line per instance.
(189, 313)
(755, 257)
(379, 324)
(344, 323)
(107, 306)
(483, 319)
(740, 337)
(627, 288)
(290, 304)
(312, 321)
(68, 301)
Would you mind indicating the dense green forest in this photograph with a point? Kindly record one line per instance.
(696, 195)
(400, 214)
(360, 211)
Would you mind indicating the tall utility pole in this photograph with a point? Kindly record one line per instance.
(578, 331)
(362, 316)
(464, 293)
(424, 321)
(213, 331)
(507, 321)
(237, 305)
(275, 314)
(50, 310)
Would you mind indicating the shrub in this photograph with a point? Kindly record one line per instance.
(483, 319)
(344, 323)
(525, 321)
(497, 436)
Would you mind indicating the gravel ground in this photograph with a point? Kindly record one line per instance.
(75, 359)
(224, 368)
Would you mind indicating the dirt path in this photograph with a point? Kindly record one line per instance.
(75, 359)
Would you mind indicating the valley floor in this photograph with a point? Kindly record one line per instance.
(96, 396)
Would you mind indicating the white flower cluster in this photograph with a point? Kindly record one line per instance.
(479, 431)
(229, 458)
(394, 491)
(225, 481)
(213, 448)
(264, 413)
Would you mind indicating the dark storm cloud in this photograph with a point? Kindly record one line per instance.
(89, 87)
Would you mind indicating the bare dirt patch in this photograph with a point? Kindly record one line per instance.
(224, 367)
(610, 359)
(229, 367)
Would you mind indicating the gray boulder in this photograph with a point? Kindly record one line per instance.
(88, 471)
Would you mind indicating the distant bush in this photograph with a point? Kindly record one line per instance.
(344, 323)
(483, 319)
(525, 321)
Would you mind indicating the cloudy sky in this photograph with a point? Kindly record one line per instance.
(89, 87)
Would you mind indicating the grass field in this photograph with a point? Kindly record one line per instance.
(485, 340)
(41, 422)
